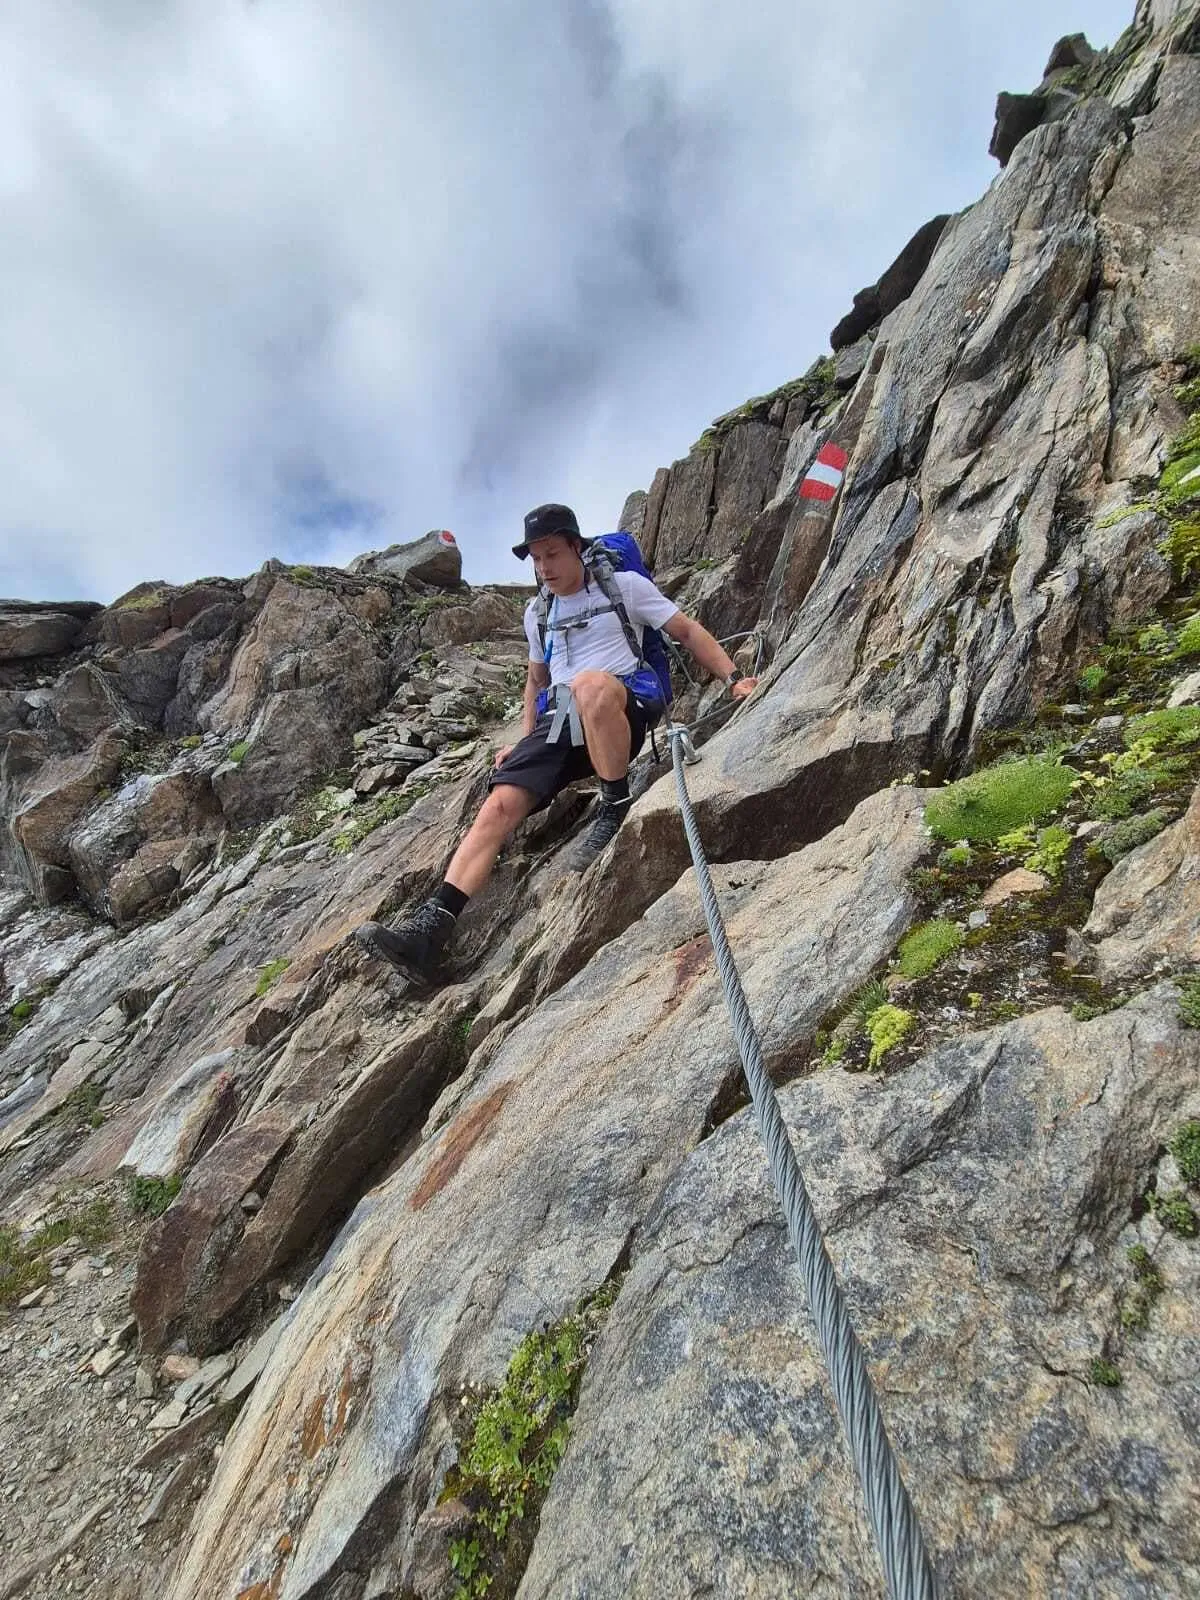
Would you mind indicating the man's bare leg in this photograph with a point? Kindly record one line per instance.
(416, 945)
(601, 701)
(504, 809)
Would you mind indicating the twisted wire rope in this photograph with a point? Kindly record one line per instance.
(894, 1522)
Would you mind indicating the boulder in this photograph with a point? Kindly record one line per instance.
(434, 559)
(25, 635)
(1147, 911)
(306, 674)
(52, 802)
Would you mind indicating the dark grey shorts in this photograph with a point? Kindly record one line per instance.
(545, 769)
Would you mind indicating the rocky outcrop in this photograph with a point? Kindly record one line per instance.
(434, 559)
(880, 299)
(28, 633)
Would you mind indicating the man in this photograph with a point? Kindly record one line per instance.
(596, 682)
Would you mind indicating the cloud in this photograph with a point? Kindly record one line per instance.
(288, 278)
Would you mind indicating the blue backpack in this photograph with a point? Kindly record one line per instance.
(607, 555)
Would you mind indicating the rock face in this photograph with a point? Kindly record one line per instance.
(920, 547)
(434, 559)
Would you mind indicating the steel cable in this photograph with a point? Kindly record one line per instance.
(893, 1519)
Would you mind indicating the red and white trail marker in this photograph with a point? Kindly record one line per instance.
(824, 477)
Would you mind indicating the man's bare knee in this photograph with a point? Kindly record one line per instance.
(506, 807)
(598, 691)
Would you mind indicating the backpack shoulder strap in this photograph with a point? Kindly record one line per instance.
(541, 615)
(600, 568)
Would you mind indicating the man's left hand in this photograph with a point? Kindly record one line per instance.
(743, 687)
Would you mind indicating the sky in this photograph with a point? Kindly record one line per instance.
(287, 278)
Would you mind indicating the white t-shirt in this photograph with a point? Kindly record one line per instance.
(586, 634)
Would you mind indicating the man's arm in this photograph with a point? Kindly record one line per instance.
(711, 655)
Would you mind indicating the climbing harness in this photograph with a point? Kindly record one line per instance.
(897, 1531)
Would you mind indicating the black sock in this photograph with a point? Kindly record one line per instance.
(451, 899)
(615, 790)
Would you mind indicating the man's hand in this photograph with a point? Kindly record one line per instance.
(503, 754)
(743, 687)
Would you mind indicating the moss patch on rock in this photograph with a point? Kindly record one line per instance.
(998, 799)
(513, 1440)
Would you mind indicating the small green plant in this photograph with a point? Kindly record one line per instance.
(271, 973)
(365, 819)
(1188, 643)
(1189, 1009)
(957, 855)
(1091, 680)
(23, 1010)
(1146, 1288)
(1168, 728)
(1113, 517)
(150, 1197)
(1174, 1212)
(1016, 841)
(1185, 1147)
(81, 1108)
(886, 1027)
(24, 1264)
(926, 946)
(1182, 548)
(1131, 833)
(1104, 1374)
(1052, 846)
(190, 741)
(993, 802)
(237, 752)
(516, 1440)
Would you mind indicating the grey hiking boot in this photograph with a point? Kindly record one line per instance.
(601, 831)
(415, 946)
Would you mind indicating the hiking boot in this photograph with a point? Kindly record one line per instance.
(416, 945)
(601, 831)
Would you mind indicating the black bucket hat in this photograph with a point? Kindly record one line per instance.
(544, 521)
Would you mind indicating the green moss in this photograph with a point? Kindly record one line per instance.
(191, 741)
(1131, 833)
(990, 803)
(237, 752)
(1182, 548)
(271, 973)
(1104, 1374)
(365, 819)
(1188, 642)
(1051, 853)
(150, 1197)
(81, 1108)
(1113, 517)
(140, 602)
(927, 945)
(23, 1010)
(1138, 1300)
(1174, 1212)
(1180, 481)
(1091, 680)
(1169, 728)
(515, 1439)
(1185, 1141)
(886, 1027)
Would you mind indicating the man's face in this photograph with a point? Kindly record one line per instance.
(557, 564)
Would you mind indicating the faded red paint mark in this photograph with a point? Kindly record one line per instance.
(463, 1134)
(269, 1588)
(315, 1431)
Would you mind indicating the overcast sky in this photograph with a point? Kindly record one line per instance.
(301, 278)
